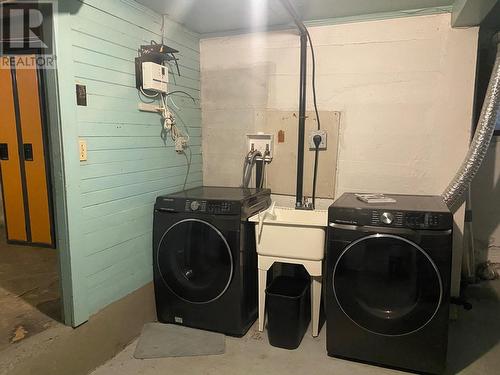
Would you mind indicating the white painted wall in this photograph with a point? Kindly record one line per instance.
(404, 86)
(486, 206)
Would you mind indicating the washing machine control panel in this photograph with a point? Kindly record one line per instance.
(201, 206)
(392, 218)
(387, 218)
(220, 207)
(210, 207)
(195, 206)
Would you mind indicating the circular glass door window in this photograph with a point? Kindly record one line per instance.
(387, 285)
(195, 261)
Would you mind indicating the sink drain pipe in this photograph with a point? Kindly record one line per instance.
(453, 196)
(302, 103)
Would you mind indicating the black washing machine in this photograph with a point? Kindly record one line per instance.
(388, 281)
(204, 258)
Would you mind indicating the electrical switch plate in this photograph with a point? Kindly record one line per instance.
(322, 145)
(261, 142)
(82, 149)
(81, 95)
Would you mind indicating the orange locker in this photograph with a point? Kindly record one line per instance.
(23, 163)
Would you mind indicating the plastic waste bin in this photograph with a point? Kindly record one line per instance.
(288, 311)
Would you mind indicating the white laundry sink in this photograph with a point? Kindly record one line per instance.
(288, 233)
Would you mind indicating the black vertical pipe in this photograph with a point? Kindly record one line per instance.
(302, 120)
(302, 102)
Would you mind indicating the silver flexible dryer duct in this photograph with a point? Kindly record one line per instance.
(453, 196)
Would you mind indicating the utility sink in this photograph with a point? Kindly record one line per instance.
(288, 233)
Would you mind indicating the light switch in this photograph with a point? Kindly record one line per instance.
(81, 95)
(83, 149)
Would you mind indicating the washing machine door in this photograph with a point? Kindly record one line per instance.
(195, 261)
(387, 285)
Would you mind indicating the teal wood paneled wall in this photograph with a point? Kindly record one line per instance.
(110, 196)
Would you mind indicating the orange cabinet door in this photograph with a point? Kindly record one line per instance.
(24, 169)
(10, 163)
(34, 156)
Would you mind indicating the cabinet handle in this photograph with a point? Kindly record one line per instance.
(4, 151)
(28, 152)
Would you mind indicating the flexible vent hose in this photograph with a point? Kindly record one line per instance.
(247, 167)
(453, 196)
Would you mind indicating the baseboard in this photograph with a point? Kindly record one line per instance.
(64, 350)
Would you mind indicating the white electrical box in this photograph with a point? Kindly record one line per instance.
(261, 142)
(83, 149)
(154, 77)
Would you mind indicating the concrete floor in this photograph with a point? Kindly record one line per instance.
(29, 291)
(473, 349)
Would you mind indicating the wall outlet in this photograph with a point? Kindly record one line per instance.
(147, 107)
(180, 144)
(322, 134)
(82, 145)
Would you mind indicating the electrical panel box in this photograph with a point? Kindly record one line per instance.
(154, 77)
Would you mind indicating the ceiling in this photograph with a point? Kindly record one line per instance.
(226, 16)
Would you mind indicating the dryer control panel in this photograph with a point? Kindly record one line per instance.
(412, 220)
(415, 212)
(390, 218)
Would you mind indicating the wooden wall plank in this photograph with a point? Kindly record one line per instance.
(93, 129)
(127, 116)
(104, 259)
(112, 207)
(128, 164)
(189, 77)
(109, 156)
(119, 192)
(117, 269)
(112, 90)
(109, 182)
(101, 295)
(92, 27)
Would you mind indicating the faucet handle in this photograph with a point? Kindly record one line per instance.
(307, 204)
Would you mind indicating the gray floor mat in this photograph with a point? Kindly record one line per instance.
(168, 340)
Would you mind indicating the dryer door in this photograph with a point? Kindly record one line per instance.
(387, 285)
(195, 261)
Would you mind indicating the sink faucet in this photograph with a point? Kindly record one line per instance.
(305, 204)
